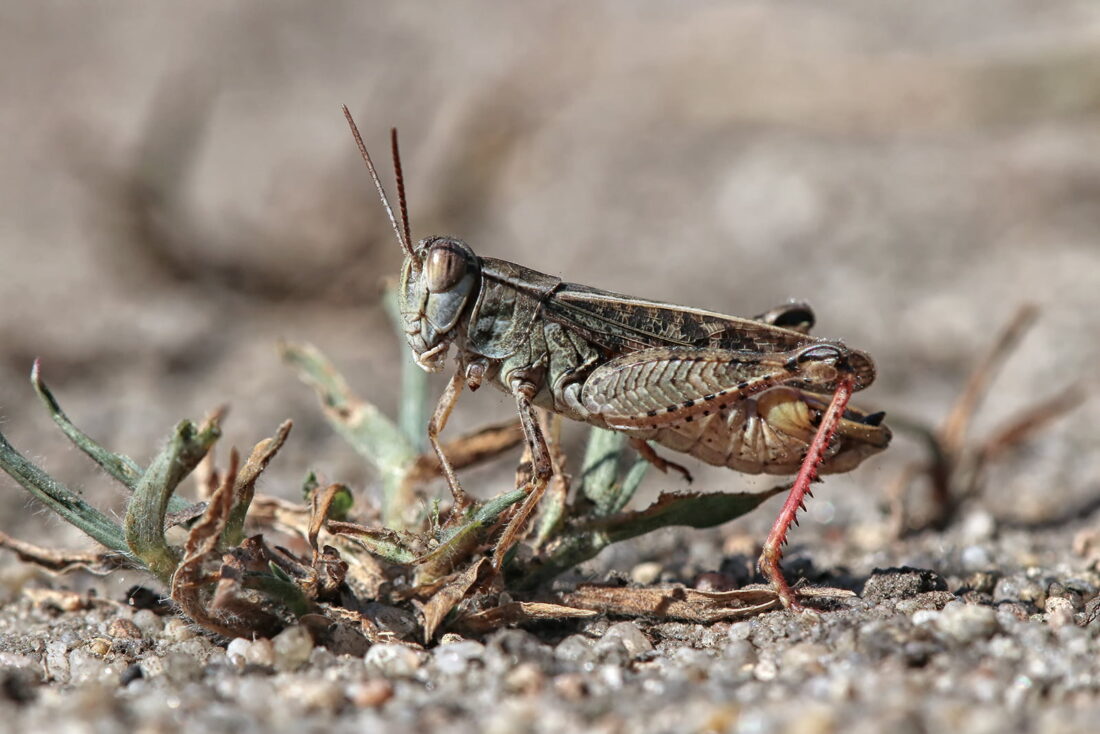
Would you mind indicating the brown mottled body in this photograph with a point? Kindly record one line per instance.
(716, 387)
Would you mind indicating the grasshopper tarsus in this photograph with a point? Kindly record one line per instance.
(542, 469)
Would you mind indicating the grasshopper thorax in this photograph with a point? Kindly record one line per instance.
(439, 281)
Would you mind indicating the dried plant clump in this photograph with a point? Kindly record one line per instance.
(391, 569)
(957, 465)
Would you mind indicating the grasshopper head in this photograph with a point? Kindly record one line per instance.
(437, 282)
(437, 279)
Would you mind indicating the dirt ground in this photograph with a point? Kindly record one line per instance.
(179, 191)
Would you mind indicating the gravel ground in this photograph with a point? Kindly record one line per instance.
(977, 650)
(178, 191)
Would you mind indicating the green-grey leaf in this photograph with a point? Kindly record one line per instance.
(61, 499)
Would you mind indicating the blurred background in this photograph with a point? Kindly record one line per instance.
(179, 190)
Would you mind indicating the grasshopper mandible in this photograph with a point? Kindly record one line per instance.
(750, 394)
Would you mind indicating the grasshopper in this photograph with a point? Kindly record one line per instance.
(751, 394)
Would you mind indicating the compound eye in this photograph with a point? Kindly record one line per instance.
(446, 267)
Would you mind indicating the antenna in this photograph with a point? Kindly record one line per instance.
(402, 235)
(401, 202)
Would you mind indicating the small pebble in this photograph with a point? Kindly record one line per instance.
(394, 661)
(316, 695)
(292, 648)
(740, 653)
(978, 526)
(124, 629)
(457, 657)
(85, 666)
(99, 646)
(525, 678)
(966, 623)
(177, 630)
(646, 573)
(805, 657)
(975, 558)
(766, 670)
(574, 648)
(740, 631)
(1059, 612)
(182, 668)
(370, 693)
(148, 622)
(57, 661)
(632, 637)
(922, 617)
(251, 652)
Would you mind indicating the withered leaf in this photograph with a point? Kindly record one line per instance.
(467, 450)
(244, 487)
(518, 612)
(688, 605)
(231, 616)
(450, 593)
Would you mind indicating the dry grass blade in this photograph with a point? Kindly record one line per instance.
(320, 503)
(60, 562)
(468, 450)
(1032, 420)
(686, 605)
(518, 613)
(204, 536)
(244, 488)
(957, 466)
(953, 432)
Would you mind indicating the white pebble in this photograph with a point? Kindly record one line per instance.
(85, 666)
(57, 661)
(292, 648)
(975, 558)
(394, 661)
(177, 630)
(456, 658)
(148, 622)
(1059, 612)
(632, 637)
(922, 617)
(646, 573)
(967, 622)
